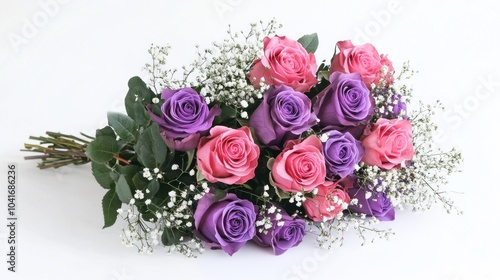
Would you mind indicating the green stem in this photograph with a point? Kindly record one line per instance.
(58, 150)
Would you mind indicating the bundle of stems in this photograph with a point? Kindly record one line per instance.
(57, 149)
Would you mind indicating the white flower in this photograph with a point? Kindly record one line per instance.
(368, 195)
(156, 100)
(175, 166)
(147, 202)
(191, 172)
(324, 137)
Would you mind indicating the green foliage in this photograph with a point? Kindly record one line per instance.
(123, 125)
(150, 148)
(123, 189)
(110, 203)
(104, 175)
(309, 42)
(102, 149)
(105, 131)
(138, 95)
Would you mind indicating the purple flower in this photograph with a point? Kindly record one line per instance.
(342, 153)
(284, 234)
(394, 108)
(283, 115)
(345, 105)
(185, 117)
(376, 205)
(225, 224)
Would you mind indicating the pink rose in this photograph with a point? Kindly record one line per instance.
(285, 62)
(300, 166)
(228, 155)
(363, 59)
(388, 143)
(331, 199)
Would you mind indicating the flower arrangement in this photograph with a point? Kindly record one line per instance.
(254, 141)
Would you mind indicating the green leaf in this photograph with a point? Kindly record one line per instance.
(153, 187)
(199, 176)
(123, 125)
(243, 122)
(135, 108)
(150, 148)
(143, 91)
(227, 114)
(139, 181)
(110, 203)
(138, 95)
(219, 194)
(102, 149)
(103, 175)
(246, 186)
(190, 155)
(123, 189)
(309, 42)
(105, 131)
(171, 236)
(129, 171)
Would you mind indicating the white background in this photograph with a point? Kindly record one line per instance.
(72, 66)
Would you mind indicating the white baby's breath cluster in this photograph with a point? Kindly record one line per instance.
(331, 234)
(176, 215)
(219, 72)
(268, 215)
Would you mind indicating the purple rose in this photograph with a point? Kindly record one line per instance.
(284, 233)
(225, 224)
(342, 153)
(185, 118)
(376, 205)
(283, 115)
(345, 105)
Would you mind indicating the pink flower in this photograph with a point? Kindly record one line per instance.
(285, 62)
(388, 143)
(300, 166)
(228, 155)
(331, 199)
(363, 59)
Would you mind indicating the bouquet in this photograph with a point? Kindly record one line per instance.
(253, 141)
